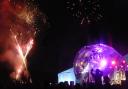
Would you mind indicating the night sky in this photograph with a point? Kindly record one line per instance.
(63, 36)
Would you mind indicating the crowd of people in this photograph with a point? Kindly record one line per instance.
(98, 84)
(65, 85)
(62, 85)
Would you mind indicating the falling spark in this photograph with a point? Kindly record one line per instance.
(18, 73)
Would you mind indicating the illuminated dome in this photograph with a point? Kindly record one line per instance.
(99, 56)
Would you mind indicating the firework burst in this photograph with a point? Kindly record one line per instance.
(86, 11)
(18, 19)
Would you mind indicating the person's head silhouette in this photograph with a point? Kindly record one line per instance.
(97, 71)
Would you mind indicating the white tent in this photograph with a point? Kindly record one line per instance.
(67, 75)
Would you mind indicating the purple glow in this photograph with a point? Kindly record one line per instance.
(121, 66)
(124, 61)
(113, 62)
(103, 63)
(99, 49)
(85, 69)
(98, 56)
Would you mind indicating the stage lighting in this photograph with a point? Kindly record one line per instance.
(124, 61)
(127, 66)
(97, 56)
(121, 66)
(103, 63)
(113, 62)
(99, 50)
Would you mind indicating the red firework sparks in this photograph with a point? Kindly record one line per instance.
(17, 24)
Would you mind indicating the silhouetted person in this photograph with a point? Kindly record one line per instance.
(106, 80)
(126, 82)
(97, 76)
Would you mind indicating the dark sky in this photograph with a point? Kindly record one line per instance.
(58, 44)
